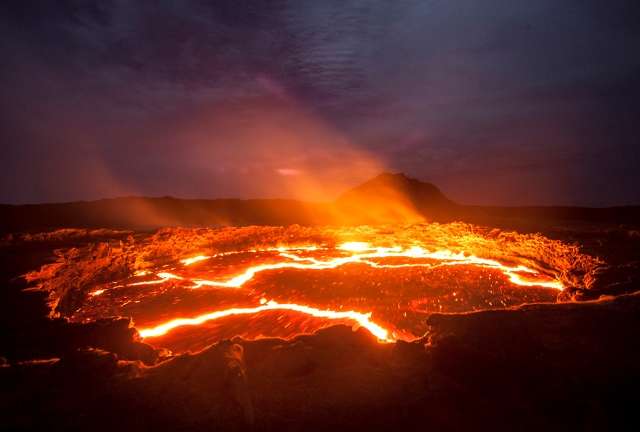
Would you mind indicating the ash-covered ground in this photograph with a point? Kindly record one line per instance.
(570, 363)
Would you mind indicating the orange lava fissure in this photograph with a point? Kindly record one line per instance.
(350, 252)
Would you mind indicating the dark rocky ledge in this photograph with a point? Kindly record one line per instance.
(537, 367)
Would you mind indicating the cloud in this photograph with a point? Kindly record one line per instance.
(186, 98)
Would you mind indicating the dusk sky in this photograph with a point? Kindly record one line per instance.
(496, 101)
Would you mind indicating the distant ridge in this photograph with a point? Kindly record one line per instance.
(386, 199)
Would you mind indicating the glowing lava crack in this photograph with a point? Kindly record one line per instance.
(362, 253)
(362, 319)
(354, 252)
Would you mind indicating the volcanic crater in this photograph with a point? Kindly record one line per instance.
(188, 288)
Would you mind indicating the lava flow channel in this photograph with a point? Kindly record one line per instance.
(357, 252)
(362, 319)
(364, 253)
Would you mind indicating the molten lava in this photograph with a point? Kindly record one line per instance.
(364, 253)
(357, 252)
(183, 291)
(360, 318)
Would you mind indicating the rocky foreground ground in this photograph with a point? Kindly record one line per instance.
(563, 366)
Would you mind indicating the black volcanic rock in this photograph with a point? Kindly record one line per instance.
(538, 367)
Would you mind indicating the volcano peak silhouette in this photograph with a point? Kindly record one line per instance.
(392, 183)
(395, 197)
